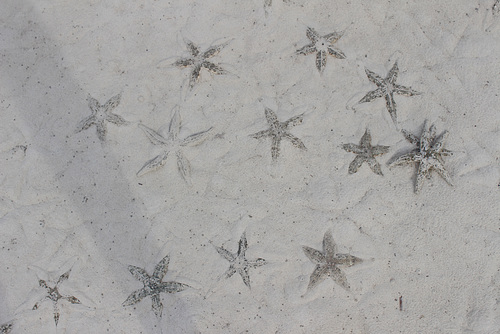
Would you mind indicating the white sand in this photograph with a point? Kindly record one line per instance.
(68, 201)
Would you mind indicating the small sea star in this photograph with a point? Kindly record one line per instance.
(153, 286)
(199, 59)
(172, 143)
(238, 261)
(6, 328)
(387, 88)
(101, 113)
(428, 154)
(365, 152)
(322, 45)
(278, 130)
(54, 295)
(327, 263)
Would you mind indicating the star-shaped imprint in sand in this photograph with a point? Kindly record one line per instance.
(365, 152)
(238, 262)
(172, 143)
(279, 130)
(54, 295)
(101, 114)
(153, 286)
(428, 154)
(6, 328)
(386, 88)
(322, 46)
(198, 60)
(328, 262)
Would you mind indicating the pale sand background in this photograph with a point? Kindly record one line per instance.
(70, 202)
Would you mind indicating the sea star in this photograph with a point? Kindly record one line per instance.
(153, 285)
(387, 88)
(322, 45)
(239, 262)
(54, 295)
(6, 328)
(199, 59)
(428, 154)
(278, 130)
(101, 113)
(365, 152)
(327, 263)
(172, 143)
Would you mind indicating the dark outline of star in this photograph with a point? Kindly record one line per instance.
(101, 113)
(54, 295)
(329, 39)
(428, 154)
(238, 262)
(365, 152)
(327, 263)
(278, 130)
(387, 87)
(153, 286)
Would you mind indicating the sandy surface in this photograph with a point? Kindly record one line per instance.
(69, 201)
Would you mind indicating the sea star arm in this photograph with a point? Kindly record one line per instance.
(213, 68)
(375, 78)
(410, 137)
(93, 104)
(405, 159)
(355, 164)
(112, 103)
(352, 148)
(156, 305)
(139, 273)
(175, 124)
(319, 274)
(245, 276)
(370, 96)
(375, 166)
(438, 166)
(422, 173)
(347, 259)
(153, 136)
(72, 299)
(293, 121)
(184, 62)
(336, 53)
(329, 246)
(184, 167)
(226, 254)
(438, 143)
(312, 35)
(195, 74)
(261, 134)
(391, 106)
(428, 135)
(115, 119)
(321, 60)
(257, 263)
(242, 245)
(295, 141)
(393, 73)
(85, 123)
(306, 50)
(193, 49)
(172, 287)
(333, 37)
(197, 138)
(161, 268)
(230, 272)
(135, 297)
(57, 314)
(275, 147)
(101, 130)
(379, 149)
(270, 116)
(213, 50)
(405, 91)
(153, 164)
(314, 255)
(366, 139)
(339, 277)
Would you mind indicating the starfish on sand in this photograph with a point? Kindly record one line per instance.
(328, 262)
(279, 130)
(238, 262)
(172, 143)
(386, 88)
(198, 60)
(322, 46)
(54, 295)
(153, 286)
(100, 114)
(428, 154)
(365, 152)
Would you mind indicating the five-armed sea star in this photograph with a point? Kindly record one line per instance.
(387, 88)
(322, 45)
(327, 263)
(199, 59)
(428, 154)
(54, 295)
(278, 130)
(101, 113)
(172, 143)
(153, 285)
(365, 152)
(238, 261)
